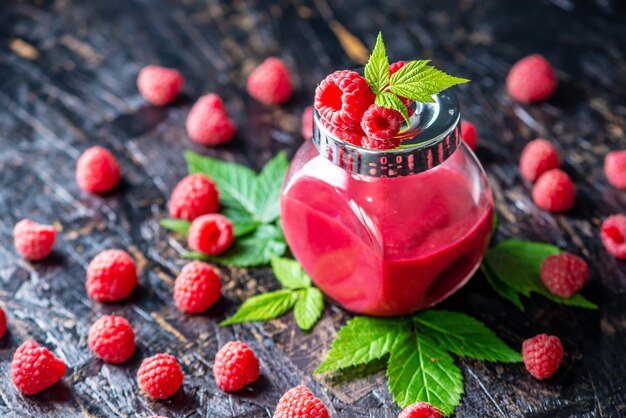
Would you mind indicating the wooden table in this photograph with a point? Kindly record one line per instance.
(67, 81)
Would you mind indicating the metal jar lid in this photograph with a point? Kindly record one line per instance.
(432, 136)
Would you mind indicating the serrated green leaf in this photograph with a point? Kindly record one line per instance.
(504, 290)
(177, 225)
(267, 188)
(263, 307)
(243, 223)
(363, 340)
(289, 273)
(377, 68)
(391, 101)
(308, 308)
(464, 336)
(419, 81)
(576, 300)
(420, 370)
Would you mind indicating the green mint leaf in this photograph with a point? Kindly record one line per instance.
(504, 290)
(289, 273)
(576, 300)
(420, 369)
(267, 188)
(243, 223)
(309, 308)
(419, 81)
(391, 101)
(377, 68)
(177, 225)
(464, 336)
(363, 340)
(263, 307)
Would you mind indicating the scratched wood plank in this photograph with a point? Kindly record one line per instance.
(67, 81)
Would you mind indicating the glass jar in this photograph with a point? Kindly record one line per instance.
(389, 232)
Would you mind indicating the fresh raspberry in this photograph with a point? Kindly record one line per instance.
(542, 355)
(3, 322)
(159, 85)
(420, 410)
(112, 339)
(381, 125)
(35, 368)
(235, 366)
(97, 170)
(32, 240)
(307, 123)
(160, 376)
(531, 79)
(197, 287)
(353, 136)
(208, 122)
(469, 134)
(564, 274)
(393, 68)
(613, 235)
(270, 82)
(111, 276)
(211, 234)
(194, 196)
(554, 191)
(615, 168)
(299, 402)
(538, 156)
(342, 98)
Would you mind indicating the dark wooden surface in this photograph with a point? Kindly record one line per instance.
(67, 81)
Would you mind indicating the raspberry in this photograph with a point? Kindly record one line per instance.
(381, 125)
(35, 368)
(554, 191)
(97, 170)
(300, 402)
(342, 98)
(33, 241)
(538, 156)
(307, 123)
(235, 366)
(211, 234)
(160, 376)
(208, 122)
(531, 79)
(159, 85)
(615, 168)
(420, 410)
(393, 68)
(613, 235)
(270, 82)
(469, 134)
(112, 339)
(111, 276)
(197, 287)
(352, 136)
(542, 355)
(3, 322)
(193, 196)
(564, 274)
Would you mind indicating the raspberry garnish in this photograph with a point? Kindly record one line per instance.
(307, 123)
(420, 410)
(381, 125)
(159, 85)
(235, 366)
(208, 122)
(615, 168)
(3, 322)
(35, 368)
(300, 402)
(538, 156)
(160, 376)
(393, 68)
(111, 276)
(353, 136)
(112, 339)
(211, 234)
(613, 235)
(97, 170)
(197, 287)
(193, 196)
(554, 191)
(531, 79)
(33, 241)
(469, 134)
(270, 82)
(542, 355)
(564, 274)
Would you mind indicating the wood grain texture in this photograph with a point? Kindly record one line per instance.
(67, 81)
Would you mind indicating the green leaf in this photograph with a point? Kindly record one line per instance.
(177, 225)
(391, 101)
(263, 307)
(504, 290)
(309, 308)
(377, 68)
(465, 336)
(363, 340)
(419, 81)
(289, 273)
(576, 300)
(267, 188)
(420, 369)
(243, 223)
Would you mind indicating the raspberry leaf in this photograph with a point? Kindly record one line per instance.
(419, 81)
(504, 290)
(289, 273)
(177, 225)
(243, 223)
(309, 308)
(263, 307)
(377, 68)
(391, 101)
(267, 188)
